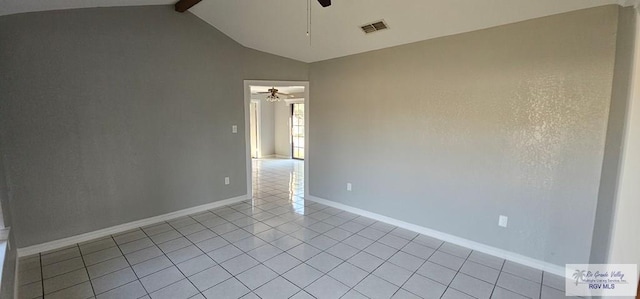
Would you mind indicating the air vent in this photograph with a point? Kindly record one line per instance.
(375, 26)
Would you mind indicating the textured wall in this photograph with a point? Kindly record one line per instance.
(611, 166)
(450, 133)
(111, 115)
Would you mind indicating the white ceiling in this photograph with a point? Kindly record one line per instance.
(279, 26)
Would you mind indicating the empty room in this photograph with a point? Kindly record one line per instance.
(271, 149)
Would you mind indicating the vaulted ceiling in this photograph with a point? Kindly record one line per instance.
(280, 26)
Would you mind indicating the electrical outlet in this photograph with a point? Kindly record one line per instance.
(348, 186)
(234, 129)
(503, 220)
(226, 180)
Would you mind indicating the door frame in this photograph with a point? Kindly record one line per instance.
(258, 128)
(247, 102)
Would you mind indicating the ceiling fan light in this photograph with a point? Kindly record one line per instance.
(273, 98)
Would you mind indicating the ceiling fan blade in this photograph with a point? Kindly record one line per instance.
(324, 3)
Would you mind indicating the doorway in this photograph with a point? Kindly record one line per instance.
(297, 131)
(273, 131)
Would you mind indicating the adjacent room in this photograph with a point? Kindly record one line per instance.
(276, 121)
(319, 149)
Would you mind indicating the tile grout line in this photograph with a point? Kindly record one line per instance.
(86, 270)
(498, 278)
(541, 284)
(174, 264)
(130, 266)
(345, 261)
(111, 289)
(73, 285)
(232, 244)
(262, 263)
(458, 272)
(416, 272)
(41, 274)
(384, 261)
(325, 251)
(283, 251)
(80, 256)
(207, 253)
(243, 252)
(397, 251)
(217, 264)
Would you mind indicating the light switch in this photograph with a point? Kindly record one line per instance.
(234, 129)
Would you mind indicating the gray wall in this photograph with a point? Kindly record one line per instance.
(264, 66)
(112, 115)
(620, 97)
(452, 132)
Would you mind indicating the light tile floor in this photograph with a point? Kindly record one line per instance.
(276, 246)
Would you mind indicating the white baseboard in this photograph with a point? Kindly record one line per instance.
(26, 251)
(501, 253)
(283, 157)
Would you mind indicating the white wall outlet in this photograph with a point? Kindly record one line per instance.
(503, 220)
(234, 129)
(348, 186)
(226, 180)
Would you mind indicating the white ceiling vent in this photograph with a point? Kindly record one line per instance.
(375, 26)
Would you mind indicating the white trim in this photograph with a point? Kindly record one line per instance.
(258, 128)
(283, 157)
(247, 100)
(307, 115)
(26, 251)
(501, 253)
(247, 136)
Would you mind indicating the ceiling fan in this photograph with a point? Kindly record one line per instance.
(273, 94)
(325, 3)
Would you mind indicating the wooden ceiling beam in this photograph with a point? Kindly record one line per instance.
(184, 5)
